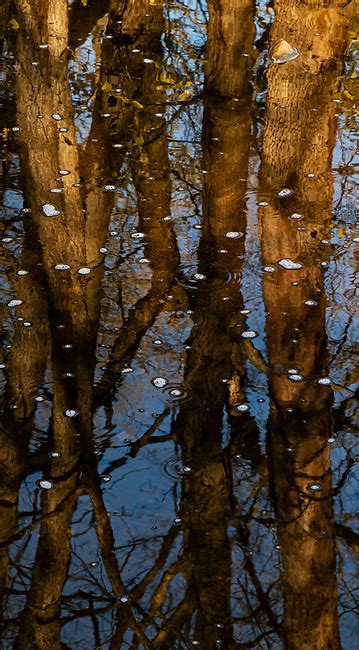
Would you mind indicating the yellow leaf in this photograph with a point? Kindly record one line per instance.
(139, 140)
(184, 96)
(107, 86)
(340, 232)
(166, 78)
(13, 24)
(84, 2)
(135, 103)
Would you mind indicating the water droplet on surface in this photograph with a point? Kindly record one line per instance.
(296, 215)
(49, 210)
(64, 172)
(124, 599)
(233, 234)
(138, 235)
(199, 276)
(106, 478)
(84, 270)
(324, 381)
(103, 250)
(126, 371)
(57, 117)
(249, 334)
(71, 413)
(157, 342)
(45, 484)
(159, 382)
(14, 303)
(289, 265)
(27, 323)
(110, 188)
(311, 303)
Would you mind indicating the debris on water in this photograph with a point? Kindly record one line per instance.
(49, 210)
(284, 52)
(289, 265)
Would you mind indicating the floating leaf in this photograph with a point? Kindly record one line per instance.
(136, 103)
(184, 96)
(84, 2)
(166, 78)
(107, 87)
(13, 24)
(139, 140)
(284, 52)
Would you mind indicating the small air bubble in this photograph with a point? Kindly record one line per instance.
(249, 334)
(159, 382)
(45, 484)
(14, 303)
(314, 487)
(71, 413)
(233, 234)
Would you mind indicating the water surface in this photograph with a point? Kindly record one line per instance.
(177, 360)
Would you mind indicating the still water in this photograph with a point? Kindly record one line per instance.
(177, 367)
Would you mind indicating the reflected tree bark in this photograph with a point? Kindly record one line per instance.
(50, 158)
(298, 140)
(214, 375)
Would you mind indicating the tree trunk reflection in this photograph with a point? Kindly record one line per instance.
(298, 140)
